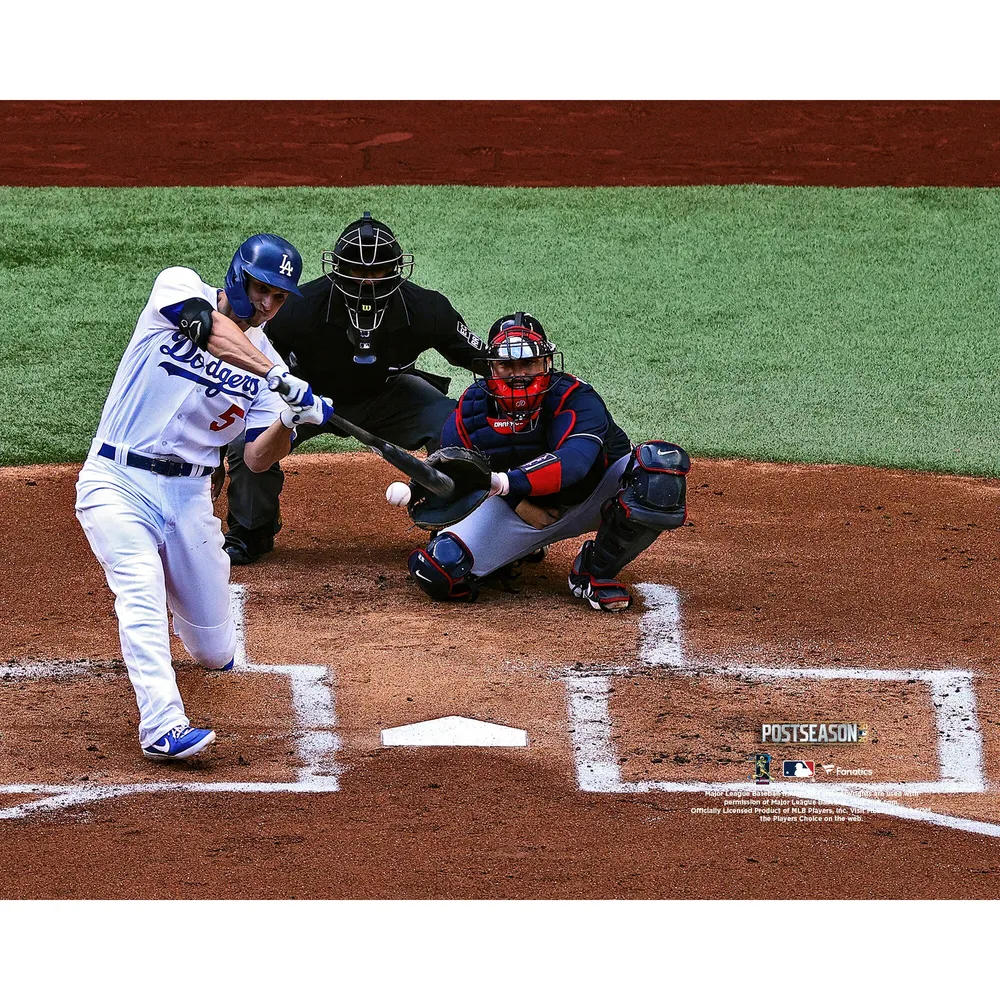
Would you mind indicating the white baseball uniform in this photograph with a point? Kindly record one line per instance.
(151, 524)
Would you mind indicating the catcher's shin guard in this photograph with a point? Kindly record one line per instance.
(602, 595)
(652, 500)
(444, 569)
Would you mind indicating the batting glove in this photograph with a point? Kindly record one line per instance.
(318, 412)
(294, 391)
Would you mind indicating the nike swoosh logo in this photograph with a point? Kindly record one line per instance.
(659, 451)
(422, 577)
(164, 748)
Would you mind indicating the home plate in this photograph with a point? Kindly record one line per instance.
(454, 731)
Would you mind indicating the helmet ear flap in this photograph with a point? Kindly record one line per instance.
(236, 292)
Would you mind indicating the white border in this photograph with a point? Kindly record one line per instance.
(527, 49)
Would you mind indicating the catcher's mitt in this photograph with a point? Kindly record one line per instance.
(471, 472)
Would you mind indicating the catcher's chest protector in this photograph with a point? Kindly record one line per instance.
(505, 450)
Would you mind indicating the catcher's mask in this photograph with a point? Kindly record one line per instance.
(520, 362)
(366, 266)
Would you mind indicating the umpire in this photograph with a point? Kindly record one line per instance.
(355, 336)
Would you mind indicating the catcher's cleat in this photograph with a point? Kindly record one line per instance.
(601, 595)
(508, 577)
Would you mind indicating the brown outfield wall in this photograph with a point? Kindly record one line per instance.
(506, 143)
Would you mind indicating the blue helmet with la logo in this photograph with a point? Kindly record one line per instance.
(268, 258)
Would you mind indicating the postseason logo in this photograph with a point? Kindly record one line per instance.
(813, 732)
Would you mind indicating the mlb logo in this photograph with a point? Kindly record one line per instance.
(799, 769)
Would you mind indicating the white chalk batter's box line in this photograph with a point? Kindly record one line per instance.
(316, 739)
(959, 740)
(960, 755)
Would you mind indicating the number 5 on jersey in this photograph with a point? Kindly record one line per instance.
(225, 419)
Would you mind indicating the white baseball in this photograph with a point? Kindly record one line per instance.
(398, 494)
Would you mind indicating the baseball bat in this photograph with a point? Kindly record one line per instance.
(419, 471)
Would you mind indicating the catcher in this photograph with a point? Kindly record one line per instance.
(536, 458)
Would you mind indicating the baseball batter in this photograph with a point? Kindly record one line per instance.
(561, 467)
(195, 374)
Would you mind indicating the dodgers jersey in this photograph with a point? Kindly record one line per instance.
(170, 399)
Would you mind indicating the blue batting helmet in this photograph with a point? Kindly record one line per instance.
(268, 258)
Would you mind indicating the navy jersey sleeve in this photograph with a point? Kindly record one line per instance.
(576, 436)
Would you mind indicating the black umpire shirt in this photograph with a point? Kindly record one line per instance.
(310, 333)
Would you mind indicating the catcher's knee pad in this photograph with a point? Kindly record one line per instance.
(444, 569)
(654, 488)
(652, 499)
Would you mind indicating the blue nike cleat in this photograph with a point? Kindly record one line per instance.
(180, 742)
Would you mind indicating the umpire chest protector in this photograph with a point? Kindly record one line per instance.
(313, 334)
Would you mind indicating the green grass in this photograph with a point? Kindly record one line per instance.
(793, 324)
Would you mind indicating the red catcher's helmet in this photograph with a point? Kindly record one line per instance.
(519, 337)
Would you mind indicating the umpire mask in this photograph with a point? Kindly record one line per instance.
(367, 266)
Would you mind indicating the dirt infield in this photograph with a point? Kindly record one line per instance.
(530, 143)
(780, 567)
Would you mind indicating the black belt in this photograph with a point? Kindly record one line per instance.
(161, 466)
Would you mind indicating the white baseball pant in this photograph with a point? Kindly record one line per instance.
(160, 545)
